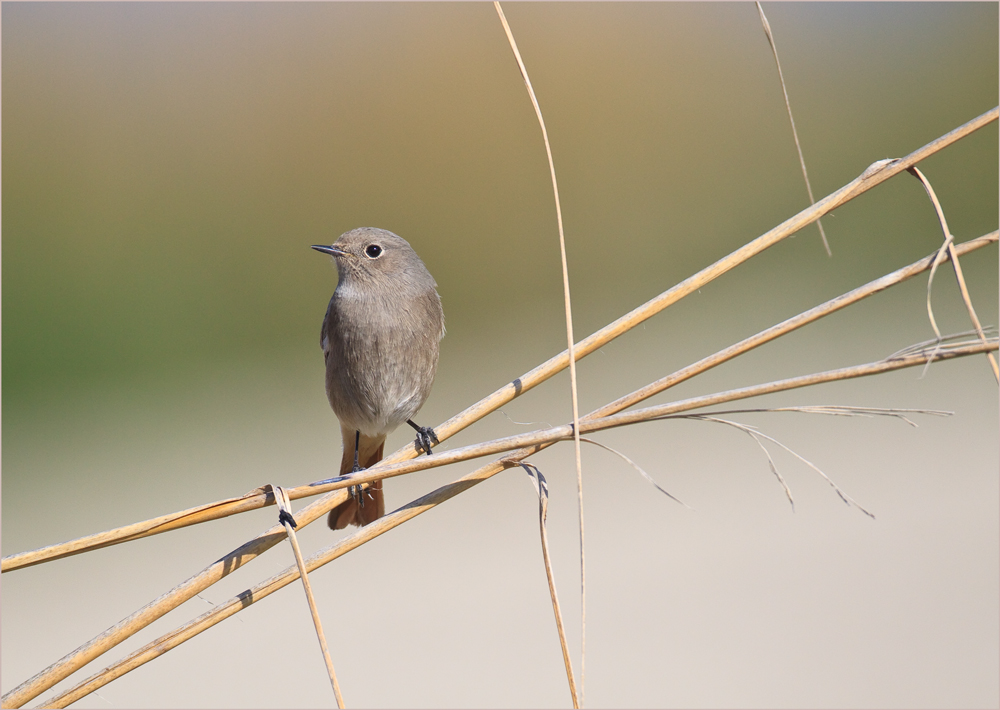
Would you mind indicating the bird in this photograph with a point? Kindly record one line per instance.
(381, 340)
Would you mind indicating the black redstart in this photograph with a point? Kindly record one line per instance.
(380, 339)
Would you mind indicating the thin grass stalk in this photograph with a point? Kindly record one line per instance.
(421, 505)
(757, 435)
(949, 244)
(972, 313)
(286, 518)
(837, 410)
(571, 349)
(542, 488)
(638, 469)
(791, 119)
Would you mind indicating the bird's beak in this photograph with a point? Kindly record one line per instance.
(331, 250)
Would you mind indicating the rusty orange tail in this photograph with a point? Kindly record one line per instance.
(373, 502)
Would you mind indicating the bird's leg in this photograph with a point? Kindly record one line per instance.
(355, 491)
(425, 438)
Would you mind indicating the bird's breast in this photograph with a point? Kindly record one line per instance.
(381, 358)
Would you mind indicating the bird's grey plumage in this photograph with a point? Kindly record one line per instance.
(380, 339)
(380, 364)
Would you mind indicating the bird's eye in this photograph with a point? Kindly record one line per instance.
(373, 251)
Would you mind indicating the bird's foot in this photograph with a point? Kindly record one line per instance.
(425, 438)
(359, 494)
(355, 491)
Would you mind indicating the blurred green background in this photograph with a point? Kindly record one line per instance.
(165, 169)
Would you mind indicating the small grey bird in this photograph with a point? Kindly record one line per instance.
(380, 339)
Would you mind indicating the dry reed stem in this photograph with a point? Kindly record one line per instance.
(949, 245)
(542, 488)
(259, 498)
(571, 353)
(286, 518)
(876, 173)
(871, 368)
(252, 500)
(596, 421)
(263, 589)
(448, 491)
(791, 119)
(839, 410)
(787, 326)
(507, 443)
(933, 341)
(542, 438)
(144, 655)
(141, 618)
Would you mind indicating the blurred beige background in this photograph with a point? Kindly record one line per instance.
(165, 169)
